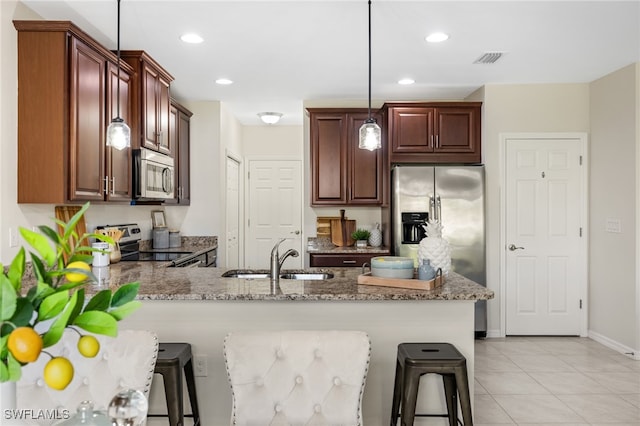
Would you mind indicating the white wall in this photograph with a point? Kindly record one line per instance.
(614, 190)
(512, 109)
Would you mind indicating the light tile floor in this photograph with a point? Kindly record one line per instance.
(554, 381)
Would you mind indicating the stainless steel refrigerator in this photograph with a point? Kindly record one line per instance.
(455, 196)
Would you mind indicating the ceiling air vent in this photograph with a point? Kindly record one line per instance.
(488, 58)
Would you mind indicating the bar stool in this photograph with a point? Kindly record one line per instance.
(418, 359)
(173, 359)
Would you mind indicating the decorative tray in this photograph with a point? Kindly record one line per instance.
(415, 284)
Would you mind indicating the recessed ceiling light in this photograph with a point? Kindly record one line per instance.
(191, 38)
(224, 81)
(406, 81)
(437, 37)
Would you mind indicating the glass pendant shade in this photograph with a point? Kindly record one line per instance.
(118, 134)
(370, 135)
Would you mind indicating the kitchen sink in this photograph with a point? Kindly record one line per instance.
(307, 276)
(258, 274)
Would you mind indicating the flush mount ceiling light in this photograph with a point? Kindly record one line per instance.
(406, 81)
(370, 133)
(191, 38)
(437, 37)
(118, 133)
(270, 117)
(224, 81)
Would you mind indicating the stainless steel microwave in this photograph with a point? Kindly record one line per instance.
(153, 175)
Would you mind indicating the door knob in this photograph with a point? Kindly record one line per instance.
(513, 247)
(295, 232)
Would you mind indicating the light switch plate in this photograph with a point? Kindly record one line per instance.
(200, 365)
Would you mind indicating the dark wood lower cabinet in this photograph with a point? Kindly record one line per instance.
(337, 260)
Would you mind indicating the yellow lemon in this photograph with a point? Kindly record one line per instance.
(88, 346)
(58, 373)
(76, 277)
(25, 344)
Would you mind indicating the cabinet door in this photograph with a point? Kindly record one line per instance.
(87, 123)
(365, 167)
(162, 117)
(118, 162)
(149, 107)
(412, 129)
(183, 158)
(337, 260)
(456, 130)
(328, 158)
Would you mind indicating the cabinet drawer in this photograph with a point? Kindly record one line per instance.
(328, 260)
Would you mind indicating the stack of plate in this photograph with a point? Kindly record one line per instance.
(392, 267)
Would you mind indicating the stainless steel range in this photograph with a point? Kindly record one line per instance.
(130, 249)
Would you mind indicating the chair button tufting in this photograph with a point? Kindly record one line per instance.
(299, 379)
(317, 408)
(40, 382)
(279, 353)
(278, 408)
(259, 382)
(85, 381)
(337, 381)
(105, 356)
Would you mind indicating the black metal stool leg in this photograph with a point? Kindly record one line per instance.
(410, 381)
(191, 388)
(462, 382)
(397, 393)
(173, 393)
(450, 393)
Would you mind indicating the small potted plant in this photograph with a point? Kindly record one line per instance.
(360, 236)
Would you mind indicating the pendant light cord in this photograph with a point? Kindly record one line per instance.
(118, 49)
(369, 60)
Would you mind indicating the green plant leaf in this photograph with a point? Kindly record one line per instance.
(52, 305)
(39, 270)
(3, 346)
(16, 269)
(78, 306)
(99, 302)
(70, 226)
(41, 244)
(14, 367)
(125, 310)
(50, 233)
(125, 294)
(24, 312)
(4, 372)
(53, 335)
(86, 258)
(97, 322)
(8, 299)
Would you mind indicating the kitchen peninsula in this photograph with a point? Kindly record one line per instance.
(200, 306)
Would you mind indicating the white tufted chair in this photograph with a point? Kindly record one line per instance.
(124, 362)
(297, 377)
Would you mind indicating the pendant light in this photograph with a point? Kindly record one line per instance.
(370, 133)
(118, 133)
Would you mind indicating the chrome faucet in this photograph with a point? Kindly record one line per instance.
(277, 261)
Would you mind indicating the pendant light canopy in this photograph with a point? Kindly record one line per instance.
(118, 133)
(370, 133)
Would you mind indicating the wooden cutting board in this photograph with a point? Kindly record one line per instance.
(65, 213)
(341, 230)
(414, 284)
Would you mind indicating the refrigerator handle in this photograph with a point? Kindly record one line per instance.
(432, 208)
(438, 209)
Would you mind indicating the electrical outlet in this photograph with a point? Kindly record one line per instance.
(200, 365)
(13, 237)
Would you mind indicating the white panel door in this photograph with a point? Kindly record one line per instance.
(275, 211)
(544, 248)
(233, 214)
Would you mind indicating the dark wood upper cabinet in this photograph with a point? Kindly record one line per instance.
(434, 132)
(151, 99)
(66, 88)
(341, 173)
(179, 139)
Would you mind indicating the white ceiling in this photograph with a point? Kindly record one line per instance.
(281, 53)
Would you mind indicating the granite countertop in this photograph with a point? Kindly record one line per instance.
(161, 283)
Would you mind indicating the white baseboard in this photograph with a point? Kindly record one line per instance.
(494, 334)
(616, 346)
